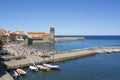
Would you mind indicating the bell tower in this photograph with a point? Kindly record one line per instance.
(52, 33)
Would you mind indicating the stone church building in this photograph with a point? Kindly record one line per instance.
(42, 36)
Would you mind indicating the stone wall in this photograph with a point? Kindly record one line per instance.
(68, 39)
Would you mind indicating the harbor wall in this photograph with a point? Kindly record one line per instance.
(61, 39)
(64, 58)
(4, 75)
(61, 56)
(58, 57)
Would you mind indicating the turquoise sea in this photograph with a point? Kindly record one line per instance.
(97, 67)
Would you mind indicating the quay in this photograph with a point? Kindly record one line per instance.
(23, 61)
(57, 58)
(61, 56)
(4, 75)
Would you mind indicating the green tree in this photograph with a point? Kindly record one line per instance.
(0, 40)
(25, 37)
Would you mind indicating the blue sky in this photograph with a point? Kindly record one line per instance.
(69, 17)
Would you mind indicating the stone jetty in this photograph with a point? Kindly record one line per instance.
(60, 56)
(56, 57)
(61, 39)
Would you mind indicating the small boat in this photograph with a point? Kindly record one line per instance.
(14, 73)
(20, 71)
(33, 68)
(41, 67)
(52, 66)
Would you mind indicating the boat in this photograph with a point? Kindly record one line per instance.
(33, 68)
(20, 71)
(14, 73)
(51, 66)
(44, 68)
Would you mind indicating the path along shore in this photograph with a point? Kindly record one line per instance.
(56, 57)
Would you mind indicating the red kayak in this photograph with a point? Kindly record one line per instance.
(20, 71)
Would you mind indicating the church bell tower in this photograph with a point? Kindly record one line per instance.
(52, 33)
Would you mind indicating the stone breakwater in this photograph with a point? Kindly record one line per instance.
(20, 61)
(57, 57)
(61, 39)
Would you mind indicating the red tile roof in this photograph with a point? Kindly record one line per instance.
(2, 32)
(37, 33)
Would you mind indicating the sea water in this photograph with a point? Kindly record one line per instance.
(97, 67)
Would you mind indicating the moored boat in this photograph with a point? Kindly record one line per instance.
(14, 73)
(20, 71)
(44, 68)
(33, 68)
(51, 66)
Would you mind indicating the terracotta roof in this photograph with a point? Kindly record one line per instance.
(37, 33)
(2, 32)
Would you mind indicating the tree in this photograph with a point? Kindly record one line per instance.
(1, 42)
(25, 37)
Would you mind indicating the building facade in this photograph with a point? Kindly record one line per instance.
(42, 36)
(9, 36)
